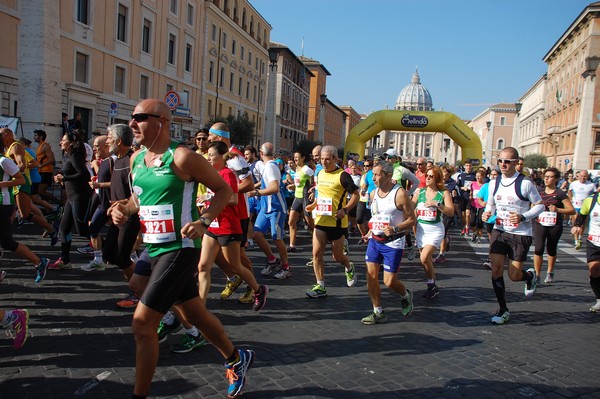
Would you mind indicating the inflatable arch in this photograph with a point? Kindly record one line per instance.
(415, 121)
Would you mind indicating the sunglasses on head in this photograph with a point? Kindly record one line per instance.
(140, 117)
(506, 161)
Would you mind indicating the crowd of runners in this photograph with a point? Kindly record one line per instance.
(164, 212)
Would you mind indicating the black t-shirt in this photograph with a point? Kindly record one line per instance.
(104, 175)
(120, 182)
(463, 178)
(555, 198)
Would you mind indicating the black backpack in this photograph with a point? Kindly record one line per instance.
(517, 182)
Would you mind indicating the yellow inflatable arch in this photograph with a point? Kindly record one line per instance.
(415, 121)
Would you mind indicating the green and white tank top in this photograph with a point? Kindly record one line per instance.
(166, 203)
(428, 215)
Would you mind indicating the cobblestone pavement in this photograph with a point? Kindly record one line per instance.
(81, 345)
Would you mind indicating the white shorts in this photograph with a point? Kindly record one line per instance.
(430, 234)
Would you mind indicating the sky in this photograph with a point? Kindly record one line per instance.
(470, 54)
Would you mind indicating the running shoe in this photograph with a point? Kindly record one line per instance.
(291, 249)
(488, 264)
(351, 276)
(531, 285)
(271, 267)
(317, 291)
(578, 244)
(260, 298)
(87, 250)
(250, 245)
(94, 265)
(595, 307)
(230, 287)
(407, 303)
(129, 302)
(374, 318)
(236, 373)
(411, 252)
(164, 330)
(432, 291)
(462, 232)
(41, 269)
(310, 263)
(21, 327)
(283, 274)
(549, 278)
(441, 258)
(2, 275)
(188, 343)
(56, 224)
(248, 296)
(474, 237)
(60, 264)
(501, 317)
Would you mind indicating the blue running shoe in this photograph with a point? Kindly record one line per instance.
(236, 373)
(41, 269)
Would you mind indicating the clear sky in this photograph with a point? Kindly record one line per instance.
(470, 53)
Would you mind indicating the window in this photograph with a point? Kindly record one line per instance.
(169, 87)
(242, 53)
(249, 58)
(83, 7)
(144, 86)
(188, 57)
(240, 86)
(190, 14)
(224, 41)
(502, 120)
(213, 34)
(221, 77)
(211, 72)
(173, 7)
(247, 90)
(231, 81)
(233, 43)
(119, 80)
(171, 54)
(122, 24)
(500, 143)
(81, 67)
(209, 106)
(146, 31)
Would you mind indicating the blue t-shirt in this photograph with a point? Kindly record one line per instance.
(33, 172)
(483, 193)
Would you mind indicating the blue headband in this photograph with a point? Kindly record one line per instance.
(218, 132)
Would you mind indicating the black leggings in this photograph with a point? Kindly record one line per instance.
(6, 238)
(77, 213)
(476, 221)
(120, 241)
(546, 236)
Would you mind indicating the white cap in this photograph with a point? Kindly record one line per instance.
(391, 153)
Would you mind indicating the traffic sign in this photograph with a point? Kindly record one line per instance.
(113, 108)
(566, 161)
(172, 100)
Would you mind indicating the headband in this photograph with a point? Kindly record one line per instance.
(218, 132)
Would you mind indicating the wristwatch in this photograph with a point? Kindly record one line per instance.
(205, 221)
(523, 219)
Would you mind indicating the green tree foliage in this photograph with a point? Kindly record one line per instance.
(536, 161)
(305, 146)
(240, 127)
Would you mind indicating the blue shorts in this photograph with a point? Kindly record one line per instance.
(253, 205)
(273, 220)
(381, 254)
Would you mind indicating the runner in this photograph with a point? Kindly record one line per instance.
(578, 191)
(303, 181)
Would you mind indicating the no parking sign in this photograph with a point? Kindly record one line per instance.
(172, 100)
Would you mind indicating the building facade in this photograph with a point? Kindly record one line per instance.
(108, 55)
(529, 120)
(288, 99)
(494, 126)
(571, 133)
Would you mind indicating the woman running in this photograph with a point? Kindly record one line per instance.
(476, 224)
(303, 180)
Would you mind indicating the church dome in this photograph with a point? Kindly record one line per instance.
(414, 97)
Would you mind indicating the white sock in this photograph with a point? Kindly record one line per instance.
(192, 331)
(321, 283)
(169, 318)
(134, 257)
(378, 309)
(98, 256)
(430, 281)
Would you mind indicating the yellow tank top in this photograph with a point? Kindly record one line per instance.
(331, 198)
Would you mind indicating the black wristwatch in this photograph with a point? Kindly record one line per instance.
(523, 219)
(205, 222)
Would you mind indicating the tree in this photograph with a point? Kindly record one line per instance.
(536, 161)
(306, 146)
(240, 127)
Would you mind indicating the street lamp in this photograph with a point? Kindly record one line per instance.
(323, 98)
(518, 107)
(591, 64)
(273, 57)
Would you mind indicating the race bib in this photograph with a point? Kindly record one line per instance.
(547, 219)
(379, 222)
(297, 180)
(158, 224)
(502, 219)
(577, 203)
(214, 223)
(426, 214)
(324, 207)
(594, 236)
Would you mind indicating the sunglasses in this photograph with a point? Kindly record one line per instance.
(506, 161)
(367, 165)
(549, 177)
(201, 138)
(429, 176)
(142, 117)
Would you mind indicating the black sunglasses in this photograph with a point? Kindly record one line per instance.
(201, 138)
(142, 117)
